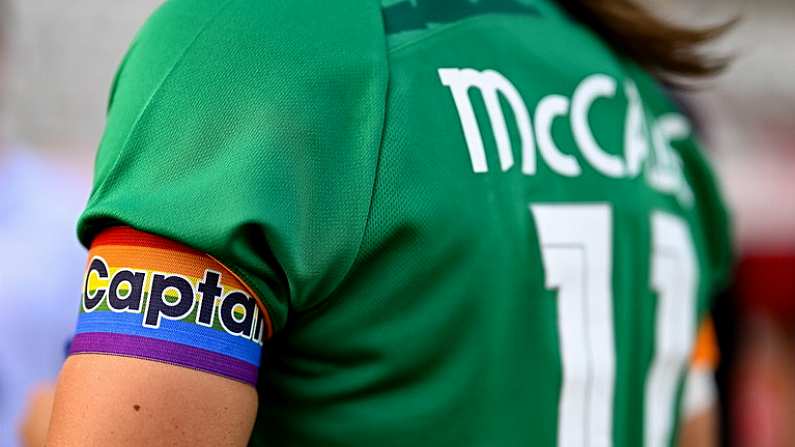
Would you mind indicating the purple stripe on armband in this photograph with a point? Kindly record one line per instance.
(164, 351)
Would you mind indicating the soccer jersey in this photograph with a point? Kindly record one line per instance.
(425, 222)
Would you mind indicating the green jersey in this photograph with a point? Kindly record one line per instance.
(470, 223)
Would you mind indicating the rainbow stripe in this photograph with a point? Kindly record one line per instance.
(211, 337)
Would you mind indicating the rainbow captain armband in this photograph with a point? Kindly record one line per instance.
(151, 298)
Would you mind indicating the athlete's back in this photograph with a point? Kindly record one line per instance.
(536, 257)
(470, 223)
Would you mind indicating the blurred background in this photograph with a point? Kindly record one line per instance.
(59, 60)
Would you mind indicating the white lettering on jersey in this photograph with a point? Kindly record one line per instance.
(490, 83)
(636, 144)
(591, 88)
(647, 142)
(666, 173)
(548, 109)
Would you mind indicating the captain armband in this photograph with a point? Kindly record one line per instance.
(147, 297)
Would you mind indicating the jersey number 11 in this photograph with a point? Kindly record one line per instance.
(576, 246)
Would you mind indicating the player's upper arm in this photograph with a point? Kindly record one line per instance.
(166, 351)
(232, 184)
(107, 400)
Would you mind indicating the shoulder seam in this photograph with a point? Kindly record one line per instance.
(379, 152)
(442, 29)
(435, 32)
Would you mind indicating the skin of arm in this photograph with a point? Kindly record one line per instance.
(104, 400)
(36, 419)
(700, 429)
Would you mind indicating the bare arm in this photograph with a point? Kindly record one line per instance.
(700, 429)
(36, 419)
(104, 400)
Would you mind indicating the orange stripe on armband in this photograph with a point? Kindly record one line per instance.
(705, 352)
(132, 250)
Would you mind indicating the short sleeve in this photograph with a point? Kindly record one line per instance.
(248, 132)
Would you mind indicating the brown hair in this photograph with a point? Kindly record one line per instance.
(670, 52)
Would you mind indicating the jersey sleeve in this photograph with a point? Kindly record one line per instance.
(247, 132)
